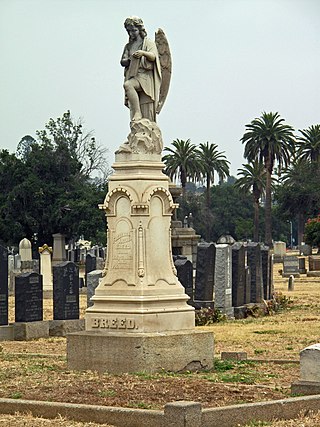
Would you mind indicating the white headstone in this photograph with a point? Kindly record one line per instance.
(46, 267)
(310, 363)
(25, 250)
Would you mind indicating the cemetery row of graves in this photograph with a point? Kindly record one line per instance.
(227, 277)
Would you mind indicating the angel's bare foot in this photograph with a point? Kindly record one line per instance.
(136, 117)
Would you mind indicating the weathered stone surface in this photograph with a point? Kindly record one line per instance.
(93, 279)
(223, 279)
(279, 251)
(120, 352)
(310, 363)
(290, 266)
(183, 413)
(6, 333)
(60, 328)
(234, 355)
(26, 331)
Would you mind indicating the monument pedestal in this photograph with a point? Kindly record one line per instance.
(117, 353)
(140, 319)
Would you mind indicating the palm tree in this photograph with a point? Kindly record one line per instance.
(253, 178)
(211, 161)
(309, 144)
(181, 161)
(269, 140)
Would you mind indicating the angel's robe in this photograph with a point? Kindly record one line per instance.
(148, 74)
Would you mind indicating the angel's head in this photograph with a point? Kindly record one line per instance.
(135, 22)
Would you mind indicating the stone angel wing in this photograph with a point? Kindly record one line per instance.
(166, 66)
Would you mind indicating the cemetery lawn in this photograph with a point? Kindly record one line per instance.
(37, 369)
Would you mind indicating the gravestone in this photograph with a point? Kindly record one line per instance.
(305, 250)
(59, 248)
(302, 265)
(45, 252)
(254, 262)
(93, 280)
(3, 286)
(25, 250)
(271, 285)
(65, 291)
(185, 274)
(91, 264)
(238, 274)
(223, 279)
(28, 297)
(248, 285)
(309, 382)
(265, 265)
(17, 262)
(204, 281)
(314, 263)
(290, 266)
(279, 251)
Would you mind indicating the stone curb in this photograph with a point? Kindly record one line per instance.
(176, 414)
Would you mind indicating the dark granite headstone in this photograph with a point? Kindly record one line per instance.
(77, 255)
(91, 264)
(265, 261)
(185, 274)
(204, 282)
(238, 274)
(247, 285)
(271, 285)
(314, 263)
(65, 291)
(28, 297)
(254, 262)
(302, 266)
(3, 286)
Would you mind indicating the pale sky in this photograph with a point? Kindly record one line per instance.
(232, 60)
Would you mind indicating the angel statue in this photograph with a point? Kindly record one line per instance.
(147, 71)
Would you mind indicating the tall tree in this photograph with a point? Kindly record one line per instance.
(298, 195)
(68, 134)
(212, 161)
(269, 140)
(253, 179)
(182, 161)
(309, 144)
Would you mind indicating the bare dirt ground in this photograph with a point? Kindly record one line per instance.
(37, 369)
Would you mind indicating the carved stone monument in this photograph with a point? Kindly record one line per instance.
(140, 319)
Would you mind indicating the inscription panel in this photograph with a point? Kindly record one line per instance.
(122, 251)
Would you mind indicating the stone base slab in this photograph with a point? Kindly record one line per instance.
(6, 333)
(119, 353)
(313, 274)
(26, 331)
(305, 387)
(60, 328)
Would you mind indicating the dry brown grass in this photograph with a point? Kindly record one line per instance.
(280, 336)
